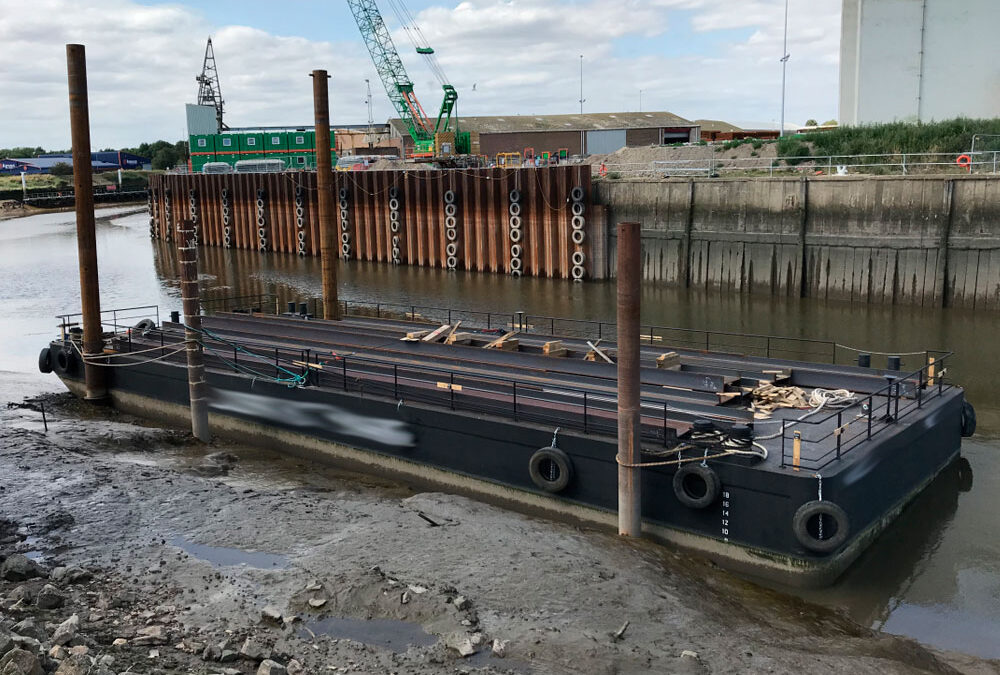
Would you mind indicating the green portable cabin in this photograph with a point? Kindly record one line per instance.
(227, 148)
(201, 144)
(202, 149)
(251, 146)
(199, 161)
(275, 143)
(301, 149)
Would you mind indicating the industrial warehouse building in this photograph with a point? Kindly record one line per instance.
(918, 60)
(100, 161)
(593, 133)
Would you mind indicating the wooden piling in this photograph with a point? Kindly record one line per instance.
(95, 377)
(187, 260)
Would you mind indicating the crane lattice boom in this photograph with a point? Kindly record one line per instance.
(390, 69)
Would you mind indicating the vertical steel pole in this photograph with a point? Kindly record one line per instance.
(187, 259)
(324, 190)
(629, 498)
(95, 377)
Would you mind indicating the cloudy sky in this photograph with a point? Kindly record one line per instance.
(715, 59)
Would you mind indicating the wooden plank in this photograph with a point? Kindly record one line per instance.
(495, 344)
(668, 360)
(436, 334)
(415, 336)
(596, 351)
(554, 348)
(460, 338)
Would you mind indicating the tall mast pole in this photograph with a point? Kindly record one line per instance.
(324, 191)
(784, 65)
(95, 377)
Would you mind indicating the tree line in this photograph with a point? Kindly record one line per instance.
(163, 154)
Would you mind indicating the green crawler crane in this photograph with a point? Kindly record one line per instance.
(397, 83)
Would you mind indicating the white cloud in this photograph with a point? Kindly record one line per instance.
(523, 56)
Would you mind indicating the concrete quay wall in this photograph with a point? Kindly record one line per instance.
(899, 240)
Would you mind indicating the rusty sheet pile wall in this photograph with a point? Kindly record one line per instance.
(516, 221)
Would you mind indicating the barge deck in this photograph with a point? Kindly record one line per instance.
(532, 420)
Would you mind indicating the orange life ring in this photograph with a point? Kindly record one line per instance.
(964, 161)
(603, 171)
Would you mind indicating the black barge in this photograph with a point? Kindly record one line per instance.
(526, 414)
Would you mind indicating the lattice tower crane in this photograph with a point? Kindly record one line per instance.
(209, 90)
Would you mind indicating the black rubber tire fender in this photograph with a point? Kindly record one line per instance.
(808, 511)
(968, 419)
(63, 361)
(552, 458)
(44, 361)
(144, 325)
(693, 471)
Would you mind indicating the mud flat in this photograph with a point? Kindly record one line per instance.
(176, 557)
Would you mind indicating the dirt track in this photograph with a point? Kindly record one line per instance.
(188, 545)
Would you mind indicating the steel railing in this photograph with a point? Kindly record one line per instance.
(804, 444)
(815, 442)
(981, 162)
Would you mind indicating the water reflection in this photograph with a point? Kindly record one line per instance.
(934, 575)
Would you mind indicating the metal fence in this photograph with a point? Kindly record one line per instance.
(902, 164)
(816, 442)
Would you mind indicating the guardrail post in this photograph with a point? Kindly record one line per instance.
(395, 381)
(782, 464)
(451, 389)
(871, 403)
(840, 433)
(584, 412)
(343, 370)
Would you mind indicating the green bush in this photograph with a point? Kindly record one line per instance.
(61, 169)
(757, 143)
(949, 136)
(614, 175)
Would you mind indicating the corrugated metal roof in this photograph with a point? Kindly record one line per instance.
(717, 125)
(585, 122)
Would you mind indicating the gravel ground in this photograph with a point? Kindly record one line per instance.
(175, 557)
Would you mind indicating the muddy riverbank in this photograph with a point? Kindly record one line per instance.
(192, 554)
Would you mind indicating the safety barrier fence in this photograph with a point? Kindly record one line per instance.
(815, 442)
(904, 164)
(808, 444)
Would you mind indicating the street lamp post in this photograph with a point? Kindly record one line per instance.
(784, 65)
(640, 100)
(582, 99)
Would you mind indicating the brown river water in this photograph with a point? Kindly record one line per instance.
(934, 575)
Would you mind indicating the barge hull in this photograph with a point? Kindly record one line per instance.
(748, 530)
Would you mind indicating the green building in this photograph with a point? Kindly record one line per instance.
(295, 147)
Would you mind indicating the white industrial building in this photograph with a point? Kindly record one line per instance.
(919, 60)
